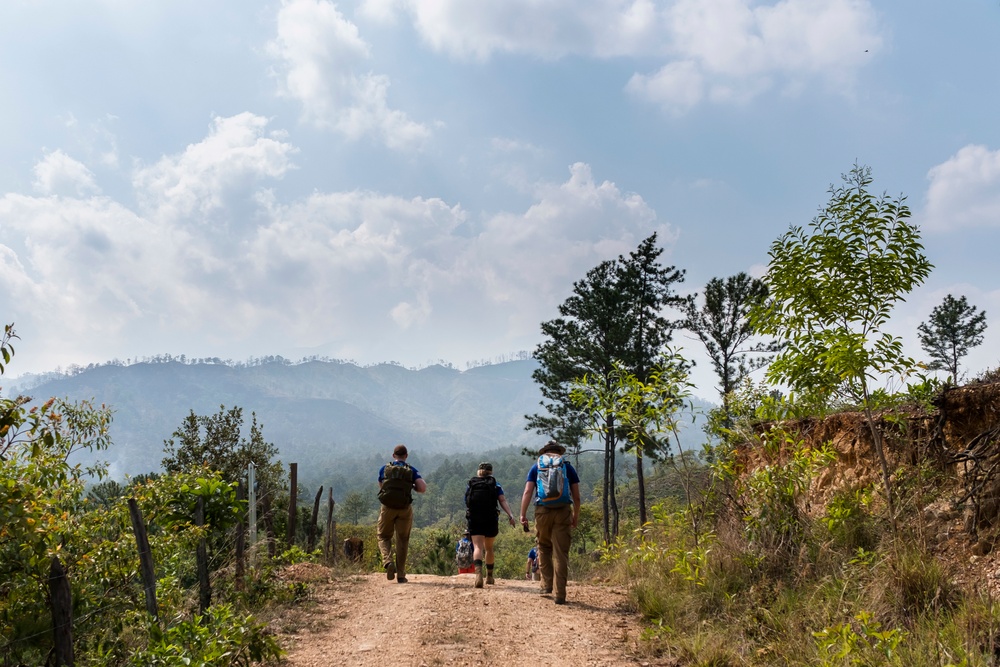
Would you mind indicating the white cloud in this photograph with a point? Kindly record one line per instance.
(552, 29)
(321, 56)
(964, 191)
(352, 270)
(59, 174)
(677, 87)
(235, 154)
(533, 257)
(730, 51)
(90, 265)
(724, 51)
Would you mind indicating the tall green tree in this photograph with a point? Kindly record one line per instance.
(218, 441)
(953, 329)
(615, 315)
(833, 287)
(722, 324)
(648, 289)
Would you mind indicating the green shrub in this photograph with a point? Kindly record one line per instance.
(219, 637)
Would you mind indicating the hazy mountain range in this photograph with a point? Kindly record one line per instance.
(320, 414)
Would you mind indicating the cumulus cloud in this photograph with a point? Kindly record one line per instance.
(356, 271)
(723, 51)
(729, 51)
(59, 174)
(321, 57)
(964, 191)
(236, 153)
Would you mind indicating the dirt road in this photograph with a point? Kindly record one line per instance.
(367, 621)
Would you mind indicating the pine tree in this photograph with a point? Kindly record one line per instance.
(954, 328)
(615, 315)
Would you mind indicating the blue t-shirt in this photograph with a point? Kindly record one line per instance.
(381, 471)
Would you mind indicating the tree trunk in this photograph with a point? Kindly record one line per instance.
(312, 524)
(605, 493)
(883, 462)
(145, 558)
(240, 543)
(611, 446)
(329, 551)
(62, 614)
(204, 588)
(293, 495)
(265, 500)
(640, 480)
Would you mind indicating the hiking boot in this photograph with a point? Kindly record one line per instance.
(479, 576)
(546, 591)
(390, 571)
(560, 600)
(401, 579)
(489, 578)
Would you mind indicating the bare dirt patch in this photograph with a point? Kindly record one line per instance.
(367, 621)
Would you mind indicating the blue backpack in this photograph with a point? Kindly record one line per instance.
(552, 488)
(463, 553)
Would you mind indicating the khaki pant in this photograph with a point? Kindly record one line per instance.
(394, 523)
(554, 526)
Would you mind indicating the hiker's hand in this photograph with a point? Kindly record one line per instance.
(511, 519)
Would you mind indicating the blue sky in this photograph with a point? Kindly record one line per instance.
(418, 180)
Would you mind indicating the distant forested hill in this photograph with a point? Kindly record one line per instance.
(324, 415)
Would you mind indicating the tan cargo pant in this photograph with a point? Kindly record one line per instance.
(394, 523)
(554, 526)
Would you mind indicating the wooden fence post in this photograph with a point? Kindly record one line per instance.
(293, 495)
(265, 500)
(62, 613)
(240, 543)
(329, 552)
(204, 588)
(145, 558)
(312, 524)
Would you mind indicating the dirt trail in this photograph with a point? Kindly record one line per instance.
(367, 621)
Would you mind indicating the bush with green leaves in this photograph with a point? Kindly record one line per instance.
(220, 636)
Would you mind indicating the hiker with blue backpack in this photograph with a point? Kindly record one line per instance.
(465, 554)
(397, 480)
(554, 487)
(482, 495)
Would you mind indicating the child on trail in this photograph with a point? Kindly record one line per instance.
(531, 567)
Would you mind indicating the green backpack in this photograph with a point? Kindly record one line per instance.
(397, 486)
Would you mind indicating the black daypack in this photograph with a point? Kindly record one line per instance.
(481, 496)
(397, 486)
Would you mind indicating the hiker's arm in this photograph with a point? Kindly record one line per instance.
(574, 490)
(419, 485)
(529, 493)
(506, 508)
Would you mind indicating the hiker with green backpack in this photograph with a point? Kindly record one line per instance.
(396, 482)
(554, 487)
(482, 495)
